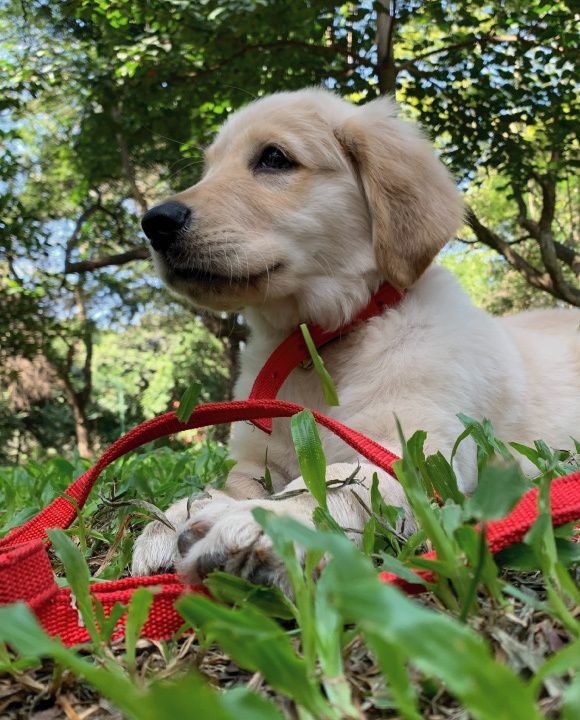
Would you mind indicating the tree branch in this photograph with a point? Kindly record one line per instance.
(437, 51)
(536, 278)
(548, 185)
(386, 69)
(541, 231)
(469, 42)
(330, 49)
(569, 256)
(522, 208)
(546, 242)
(81, 220)
(138, 253)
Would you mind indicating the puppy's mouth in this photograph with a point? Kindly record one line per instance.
(211, 277)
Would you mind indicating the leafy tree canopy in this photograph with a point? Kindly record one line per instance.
(105, 105)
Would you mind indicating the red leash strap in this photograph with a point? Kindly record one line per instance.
(26, 576)
(26, 573)
(500, 534)
(292, 351)
(61, 512)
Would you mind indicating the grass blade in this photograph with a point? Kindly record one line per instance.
(257, 643)
(310, 454)
(328, 386)
(79, 578)
(437, 644)
(137, 615)
(188, 401)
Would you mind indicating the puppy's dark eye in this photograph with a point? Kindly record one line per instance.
(272, 158)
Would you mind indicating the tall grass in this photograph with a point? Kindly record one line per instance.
(299, 646)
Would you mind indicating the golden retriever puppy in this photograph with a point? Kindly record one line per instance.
(307, 204)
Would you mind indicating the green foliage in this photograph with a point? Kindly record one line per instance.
(437, 645)
(151, 364)
(106, 106)
(160, 700)
(27, 489)
(490, 281)
(503, 77)
(256, 643)
(78, 576)
(498, 490)
(137, 614)
(131, 492)
(233, 590)
(140, 370)
(299, 644)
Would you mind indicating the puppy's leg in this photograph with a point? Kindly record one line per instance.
(228, 538)
(156, 548)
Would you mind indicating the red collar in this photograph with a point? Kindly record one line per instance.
(293, 351)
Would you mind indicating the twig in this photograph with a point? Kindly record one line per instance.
(378, 518)
(335, 484)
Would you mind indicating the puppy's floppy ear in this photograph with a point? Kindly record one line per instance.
(414, 205)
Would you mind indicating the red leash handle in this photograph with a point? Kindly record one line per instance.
(61, 512)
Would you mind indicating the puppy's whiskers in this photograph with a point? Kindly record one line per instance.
(174, 174)
(248, 274)
(267, 266)
(164, 137)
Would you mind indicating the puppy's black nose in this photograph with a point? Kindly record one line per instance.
(162, 223)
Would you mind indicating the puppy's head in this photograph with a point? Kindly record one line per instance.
(306, 203)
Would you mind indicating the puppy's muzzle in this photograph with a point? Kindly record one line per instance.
(163, 223)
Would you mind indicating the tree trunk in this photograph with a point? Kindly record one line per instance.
(128, 167)
(233, 333)
(78, 395)
(386, 69)
(81, 425)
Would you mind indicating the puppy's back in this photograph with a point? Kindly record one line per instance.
(549, 345)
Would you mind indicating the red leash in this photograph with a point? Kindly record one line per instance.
(26, 574)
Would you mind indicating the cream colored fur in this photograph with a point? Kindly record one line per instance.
(368, 201)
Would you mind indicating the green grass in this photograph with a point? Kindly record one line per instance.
(492, 638)
(128, 494)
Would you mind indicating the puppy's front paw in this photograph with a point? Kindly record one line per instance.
(155, 550)
(229, 539)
